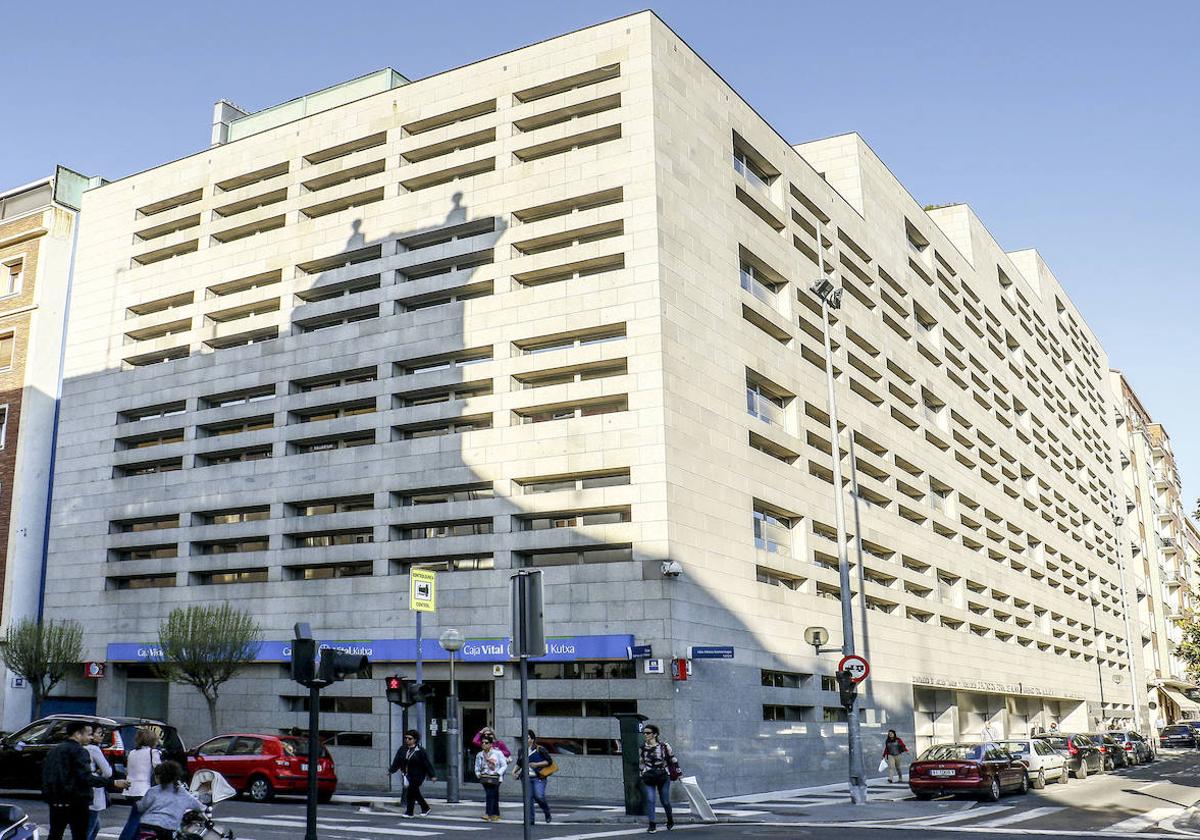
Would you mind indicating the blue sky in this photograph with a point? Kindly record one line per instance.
(1069, 126)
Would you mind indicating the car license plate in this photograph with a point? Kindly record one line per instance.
(304, 768)
(941, 773)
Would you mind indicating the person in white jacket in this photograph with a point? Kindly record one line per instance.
(102, 768)
(139, 769)
(490, 765)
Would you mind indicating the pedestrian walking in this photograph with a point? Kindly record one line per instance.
(490, 765)
(541, 766)
(412, 761)
(657, 767)
(488, 732)
(893, 748)
(139, 770)
(164, 805)
(68, 781)
(987, 733)
(103, 769)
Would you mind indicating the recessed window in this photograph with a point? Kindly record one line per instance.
(8, 343)
(12, 277)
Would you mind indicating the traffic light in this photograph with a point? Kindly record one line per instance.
(304, 664)
(415, 693)
(847, 689)
(395, 689)
(336, 666)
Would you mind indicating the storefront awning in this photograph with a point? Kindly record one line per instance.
(1189, 708)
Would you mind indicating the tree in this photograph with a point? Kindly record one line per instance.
(42, 653)
(205, 647)
(1188, 648)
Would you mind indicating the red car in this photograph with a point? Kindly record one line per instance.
(985, 769)
(261, 766)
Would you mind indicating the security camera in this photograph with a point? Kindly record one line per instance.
(672, 568)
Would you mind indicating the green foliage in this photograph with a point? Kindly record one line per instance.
(42, 653)
(1188, 648)
(205, 647)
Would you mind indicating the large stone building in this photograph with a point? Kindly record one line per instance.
(552, 309)
(38, 226)
(1162, 557)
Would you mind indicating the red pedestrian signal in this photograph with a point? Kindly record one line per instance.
(395, 689)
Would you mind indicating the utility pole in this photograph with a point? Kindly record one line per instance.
(528, 640)
(831, 298)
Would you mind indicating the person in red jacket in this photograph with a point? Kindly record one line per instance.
(893, 748)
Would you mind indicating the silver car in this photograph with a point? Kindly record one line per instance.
(1043, 762)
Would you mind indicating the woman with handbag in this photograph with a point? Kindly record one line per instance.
(541, 767)
(140, 765)
(893, 748)
(490, 765)
(658, 767)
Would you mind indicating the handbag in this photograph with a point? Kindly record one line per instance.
(655, 776)
(489, 779)
(674, 772)
(550, 769)
(882, 765)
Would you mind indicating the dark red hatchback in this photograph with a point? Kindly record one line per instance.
(262, 765)
(984, 769)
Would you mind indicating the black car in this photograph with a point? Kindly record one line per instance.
(1082, 755)
(22, 753)
(1177, 735)
(1114, 757)
(1137, 749)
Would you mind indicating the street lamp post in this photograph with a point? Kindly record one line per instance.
(452, 642)
(831, 298)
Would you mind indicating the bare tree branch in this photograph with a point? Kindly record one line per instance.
(42, 653)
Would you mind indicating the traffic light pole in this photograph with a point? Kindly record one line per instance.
(314, 755)
(526, 794)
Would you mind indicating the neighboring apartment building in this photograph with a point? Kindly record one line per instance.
(1162, 554)
(38, 226)
(475, 322)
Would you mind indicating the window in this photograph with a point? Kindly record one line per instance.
(828, 683)
(142, 582)
(150, 412)
(581, 708)
(146, 523)
(143, 552)
(7, 344)
(834, 714)
(233, 576)
(576, 557)
(568, 375)
(325, 539)
(328, 444)
(564, 341)
(334, 380)
(431, 396)
(234, 427)
(335, 705)
(578, 80)
(318, 413)
(574, 519)
(148, 468)
(444, 361)
(766, 400)
(4, 425)
(578, 481)
(783, 679)
(439, 428)
(337, 319)
(437, 530)
(444, 495)
(446, 563)
(568, 411)
(234, 456)
(774, 577)
(772, 531)
(771, 711)
(231, 516)
(328, 571)
(249, 544)
(618, 670)
(248, 395)
(217, 746)
(10, 279)
(320, 507)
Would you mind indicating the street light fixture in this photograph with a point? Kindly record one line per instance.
(452, 641)
(831, 298)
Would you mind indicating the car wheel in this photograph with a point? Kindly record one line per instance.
(260, 790)
(1024, 788)
(1108, 765)
(324, 796)
(1064, 776)
(923, 795)
(1081, 773)
(1039, 781)
(993, 792)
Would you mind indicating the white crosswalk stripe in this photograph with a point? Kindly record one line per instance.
(1019, 817)
(1142, 821)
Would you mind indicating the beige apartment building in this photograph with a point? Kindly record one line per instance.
(38, 226)
(552, 309)
(1163, 550)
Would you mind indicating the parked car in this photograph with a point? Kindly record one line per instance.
(23, 752)
(1137, 749)
(985, 769)
(1041, 761)
(1082, 756)
(1195, 725)
(15, 824)
(1177, 735)
(261, 766)
(1110, 750)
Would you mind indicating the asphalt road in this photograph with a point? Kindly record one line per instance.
(1160, 799)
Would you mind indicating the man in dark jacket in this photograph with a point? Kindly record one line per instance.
(67, 782)
(413, 762)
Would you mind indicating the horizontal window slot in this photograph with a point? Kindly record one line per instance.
(567, 340)
(161, 304)
(171, 203)
(323, 507)
(445, 235)
(257, 176)
(153, 439)
(572, 482)
(765, 324)
(337, 205)
(572, 410)
(438, 428)
(141, 582)
(240, 397)
(148, 467)
(252, 203)
(446, 563)
(445, 296)
(343, 149)
(573, 518)
(566, 206)
(460, 262)
(144, 523)
(567, 144)
(574, 556)
(582, 268)
(562, 115)
(432, 396)
(445, 176)
(444, 495)
(444, 361)
(252, 229)
(341, 260)
(438, 530)
(578, 80)
(232, 516)
(334, 380)
(467, 141)
(242, 339)
(345, 176)
(337, 319)
(567, 238)
(157, 357)
(241, 546)
(234, 456)
(227, 576)
(334, 411)
(248, 310)
(159, 231)
(570, 374)
(488, 106)
(328, 571)
(327, 539)
(337, 290)
(331, 442)
(167, 253)
(152, 412)
(255, 281)
(160, 330)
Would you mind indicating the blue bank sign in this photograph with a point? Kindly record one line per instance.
(561, 649)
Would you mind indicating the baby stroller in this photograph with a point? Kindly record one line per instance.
(209, 787)
(15, 825)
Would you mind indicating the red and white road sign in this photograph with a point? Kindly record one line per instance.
(93, 670)
(856, 666)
